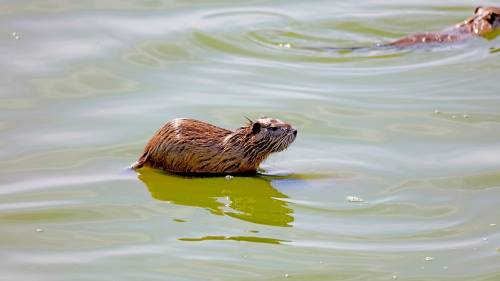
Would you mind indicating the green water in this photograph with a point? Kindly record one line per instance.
(413, 133)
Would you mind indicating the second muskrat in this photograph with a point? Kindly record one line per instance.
(485, 21)
(189, 146)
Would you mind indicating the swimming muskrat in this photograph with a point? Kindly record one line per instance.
(189, 146)
(485, 21)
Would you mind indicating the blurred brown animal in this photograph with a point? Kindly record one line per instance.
(484, 22)
(189, 146)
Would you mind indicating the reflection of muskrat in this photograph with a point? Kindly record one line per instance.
(189, 146)
(485, 21)
(251, 199)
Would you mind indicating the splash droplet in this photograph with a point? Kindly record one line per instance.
(354, 199)
(15, 35)
(428, 258)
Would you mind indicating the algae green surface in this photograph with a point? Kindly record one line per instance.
(395, 173)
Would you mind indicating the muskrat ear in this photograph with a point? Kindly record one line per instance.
(256, 128)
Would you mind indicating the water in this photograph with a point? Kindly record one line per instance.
(412, 133)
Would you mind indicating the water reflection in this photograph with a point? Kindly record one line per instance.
(159, 54)
(251, 199)
(237, 238)
(84, 83)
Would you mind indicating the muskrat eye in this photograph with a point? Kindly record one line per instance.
(492, 18)
(273, 128)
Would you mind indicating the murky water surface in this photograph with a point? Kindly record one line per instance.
(395, 173)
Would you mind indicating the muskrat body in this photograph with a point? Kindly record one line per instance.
(189, 146)
(485, 21)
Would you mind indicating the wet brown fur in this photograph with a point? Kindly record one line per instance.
(189, 146)
(484, 21)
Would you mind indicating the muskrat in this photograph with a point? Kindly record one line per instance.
(484, 22)
(189, 146)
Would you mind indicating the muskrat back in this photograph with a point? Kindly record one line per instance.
(189, 146)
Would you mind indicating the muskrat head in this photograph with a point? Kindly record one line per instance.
(485, 20)
(272, 135)
(262, 137)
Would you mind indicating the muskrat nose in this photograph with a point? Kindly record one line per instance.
(294, 132)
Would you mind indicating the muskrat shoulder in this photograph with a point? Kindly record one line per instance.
(484, 22)
(189, 146)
